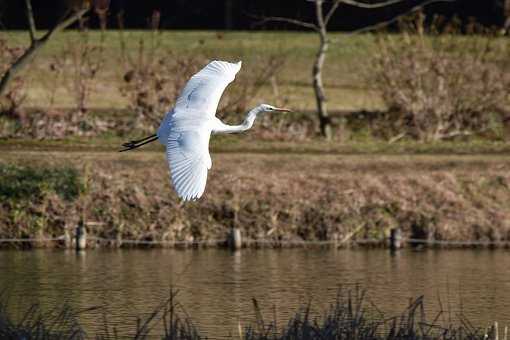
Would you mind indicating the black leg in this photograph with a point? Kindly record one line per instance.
(136, 144)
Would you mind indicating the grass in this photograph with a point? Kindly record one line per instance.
(346, 88)
(284, 197)
(349, 317)
(28, 183)
(348, 82)
(251, 144)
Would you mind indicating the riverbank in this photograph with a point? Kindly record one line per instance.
(281, 198)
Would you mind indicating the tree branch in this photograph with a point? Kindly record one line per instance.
(35, 46)
(360, 4)
(396, 18)
(296, 22)
(397, 137)
(71, 19)
(331, 11)
(31, 21)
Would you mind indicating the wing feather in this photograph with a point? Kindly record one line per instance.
(187, 127)
(188, 158)
(203, 91)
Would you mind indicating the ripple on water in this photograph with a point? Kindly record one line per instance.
(216, 287)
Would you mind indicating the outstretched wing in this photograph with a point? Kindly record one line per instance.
(188, 138)
(203, 91)
(189, 159)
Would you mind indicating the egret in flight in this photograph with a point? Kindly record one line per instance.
(186, 129)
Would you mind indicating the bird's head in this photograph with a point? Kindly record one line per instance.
(270, 108)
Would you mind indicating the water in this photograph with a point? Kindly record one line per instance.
(217, 286)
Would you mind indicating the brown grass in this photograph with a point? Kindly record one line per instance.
(281, 197)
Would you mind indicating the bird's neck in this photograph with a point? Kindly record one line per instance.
(250, 118)
(246, 125)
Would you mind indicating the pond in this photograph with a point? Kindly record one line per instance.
(216, 286)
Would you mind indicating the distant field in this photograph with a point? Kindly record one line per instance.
(345, 71)
(346, 76)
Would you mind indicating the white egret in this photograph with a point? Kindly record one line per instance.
(186, 129)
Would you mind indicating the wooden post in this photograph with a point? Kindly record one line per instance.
(336, 240)
(395, 239)
(118, 237)
(81, 236)
(235, 241)
(68, 242)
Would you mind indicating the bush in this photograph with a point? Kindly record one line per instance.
(439, 85)
(27, 183)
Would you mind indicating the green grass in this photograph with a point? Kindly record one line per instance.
(344, 78)
(29, 183)
(248, 144)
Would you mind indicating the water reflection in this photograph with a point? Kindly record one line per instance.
(217, 286)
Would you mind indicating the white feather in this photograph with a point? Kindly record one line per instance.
(186, 128)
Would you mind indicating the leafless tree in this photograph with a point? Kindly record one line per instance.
(37, 43)
(101, 8)
(506, 14)
(320, 26)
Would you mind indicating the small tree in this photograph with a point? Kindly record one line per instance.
(323, 18)
(438, 86)
(506, 15)
(37, 43)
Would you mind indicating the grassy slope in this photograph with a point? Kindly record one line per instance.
(286, 196)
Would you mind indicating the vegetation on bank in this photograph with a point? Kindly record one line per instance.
(349, 317)
(287, 197)
(385, 87)
(406, 108)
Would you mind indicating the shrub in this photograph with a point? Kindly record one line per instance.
(87, 61)
(28, 183)
(439, 85)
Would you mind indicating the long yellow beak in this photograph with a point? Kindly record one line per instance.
(279, 109)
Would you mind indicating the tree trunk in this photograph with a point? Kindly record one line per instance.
(506, 15)
(18, 65)
(228, 14)
(322, 111)
(35, 45)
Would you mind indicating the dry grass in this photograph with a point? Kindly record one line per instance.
(281, 197)
(438, 86)
(350, 316)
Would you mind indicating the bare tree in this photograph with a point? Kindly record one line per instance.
(101, 8)
(37, 43)
(320, 26)
(506, 14)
